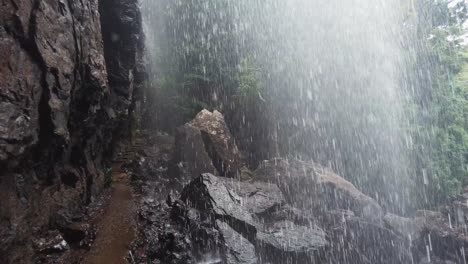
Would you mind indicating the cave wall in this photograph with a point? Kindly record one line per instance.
(62, 102)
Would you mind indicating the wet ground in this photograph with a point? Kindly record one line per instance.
(116, 226)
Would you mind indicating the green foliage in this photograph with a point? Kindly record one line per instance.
(195, 62)
(449, 114)
(199, 64)
(174, 100)
(184, 93)
(250, 87)
(439, 115)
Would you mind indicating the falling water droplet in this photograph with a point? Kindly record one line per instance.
(425, 179)
(430, 241)
(309, 95)
(428, 254)
(463, 254)
(450, 221)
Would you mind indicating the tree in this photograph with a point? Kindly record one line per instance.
(439, 106)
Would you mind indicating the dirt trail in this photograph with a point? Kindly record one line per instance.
(116, 226)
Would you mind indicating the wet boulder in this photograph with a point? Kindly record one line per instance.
(407, 227)
(191, 157)
(206, 145)
(219, 142)
(215, 196)
(287, 242)
(257, 198)
(369, 242)
(163, 238)
(258, 212)
(238, 250)
(233, 200)
(352, 239)
(308, 185)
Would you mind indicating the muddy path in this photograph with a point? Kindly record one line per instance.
(116, 226)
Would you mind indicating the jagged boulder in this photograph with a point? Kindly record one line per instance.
(352, 220)
(191, 157)
(238, 250)
(287, 242)
(297, 213)
(206, 145)
(232, 201)
(308, 185)
(223, 220)
(283, 234)
(257, 211)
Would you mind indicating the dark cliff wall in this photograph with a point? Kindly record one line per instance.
(59, 110)
(124, 46)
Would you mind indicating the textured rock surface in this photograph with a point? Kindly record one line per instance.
(211, 194)
(308, 185)
(352, 220)
(57, 116)
(205, 145)
(238, 249)
(219, 219)
(287, 242)
(124, 47)
(249, 209)
(191, 158)
(405, 226)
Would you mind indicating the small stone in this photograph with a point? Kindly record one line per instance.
(52, 243)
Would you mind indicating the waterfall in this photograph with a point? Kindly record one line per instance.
(332, 75)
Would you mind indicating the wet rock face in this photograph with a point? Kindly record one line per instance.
(356, 224)
(283, 241)
(123, 41)
(21, 92)
(238, 249)
(191, 156)
(309, 185)
(405, 226)
(57, 117)
(221, 220)
(205, 145)
(289, 211)
(240, 222)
